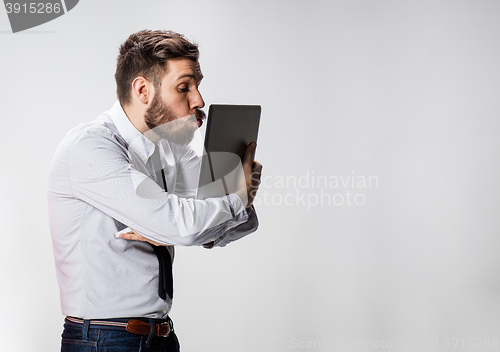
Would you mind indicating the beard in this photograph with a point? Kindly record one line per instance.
(162, 121)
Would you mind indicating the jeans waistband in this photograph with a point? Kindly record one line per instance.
(112, 324)
(157, 327)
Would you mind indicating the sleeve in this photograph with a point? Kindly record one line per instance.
(102, 175)
(237, 232)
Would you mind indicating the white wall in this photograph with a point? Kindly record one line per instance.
(405, 92)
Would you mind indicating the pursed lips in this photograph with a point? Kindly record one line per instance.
(200, 116)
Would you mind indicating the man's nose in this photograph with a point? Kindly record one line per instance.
(197, 101)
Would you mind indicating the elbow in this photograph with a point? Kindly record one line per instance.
(253, 219)
(256, 224)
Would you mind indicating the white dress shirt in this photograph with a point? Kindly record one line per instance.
(101, 182)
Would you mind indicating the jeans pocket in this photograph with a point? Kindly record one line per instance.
(74, 345)
(74, 341)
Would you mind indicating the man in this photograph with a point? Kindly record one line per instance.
(126, 179)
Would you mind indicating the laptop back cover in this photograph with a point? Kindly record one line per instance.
(230, 128)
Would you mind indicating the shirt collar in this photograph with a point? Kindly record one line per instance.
(136, 141)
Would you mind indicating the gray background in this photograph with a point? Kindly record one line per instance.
(407, 91)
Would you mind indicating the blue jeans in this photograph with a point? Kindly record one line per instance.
(86, 338)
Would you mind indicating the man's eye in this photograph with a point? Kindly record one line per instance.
(183, 89)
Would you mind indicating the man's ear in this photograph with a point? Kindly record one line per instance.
(142, 90)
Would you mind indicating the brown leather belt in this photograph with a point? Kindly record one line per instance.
(134, 326)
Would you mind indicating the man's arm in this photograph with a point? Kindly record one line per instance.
(235, 231)
(101, 174)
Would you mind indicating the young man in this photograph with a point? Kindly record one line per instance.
(121, 196)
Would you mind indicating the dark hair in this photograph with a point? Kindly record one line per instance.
(145, 54)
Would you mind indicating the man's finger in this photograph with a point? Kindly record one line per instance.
(248, 157)
(257, 167)
(132, 236)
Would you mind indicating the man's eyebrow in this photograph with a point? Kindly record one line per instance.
(192, 76)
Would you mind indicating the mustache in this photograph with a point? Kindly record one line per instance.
(200, 114)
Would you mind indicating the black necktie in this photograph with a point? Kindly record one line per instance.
(166, 282)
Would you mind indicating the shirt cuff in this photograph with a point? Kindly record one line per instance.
(235, 204)
(237, 230)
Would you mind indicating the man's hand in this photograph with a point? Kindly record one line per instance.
(252, 170)
(134, 236)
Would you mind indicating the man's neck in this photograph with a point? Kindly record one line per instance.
(136, 118)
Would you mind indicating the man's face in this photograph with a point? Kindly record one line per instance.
(174, 112)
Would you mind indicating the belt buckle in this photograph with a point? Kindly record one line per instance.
(167, 330)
